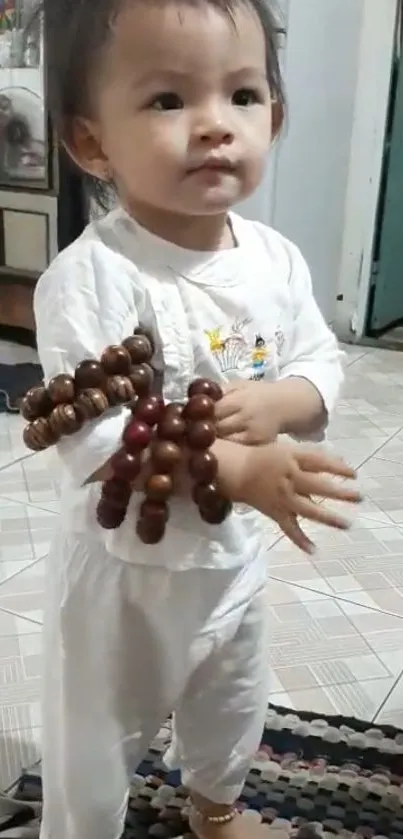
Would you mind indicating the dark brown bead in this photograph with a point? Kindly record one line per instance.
(203, 467)
(216, 514)
(36, 403)
(142, 379)
(207, 388)
(89, 374)
(172, 428)
(116, 361)
(38, 435)
(92, 403)
(126, 466)
(65, 420)
(109, 516)
(158, 487)
(136, 436)
(139, 348)
(61, 389)
(140, 330)
(206, 495)
(119, 390)
(117, 492)
(157, 510)
(201, 434)
(149, 410)
(199, 407)
(150, 531)
(166, 455)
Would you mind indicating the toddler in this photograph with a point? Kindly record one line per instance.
(173, 105)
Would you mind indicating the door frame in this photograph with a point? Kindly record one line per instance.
(380, 20)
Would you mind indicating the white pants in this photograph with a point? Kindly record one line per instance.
(126, 645)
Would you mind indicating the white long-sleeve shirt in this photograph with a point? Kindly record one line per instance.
(246, 312)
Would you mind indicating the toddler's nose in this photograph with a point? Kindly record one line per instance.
(212, 127)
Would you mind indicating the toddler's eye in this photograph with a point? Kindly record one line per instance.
(246, 96)
(166, 102)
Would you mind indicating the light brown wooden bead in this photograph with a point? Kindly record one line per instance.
(159, 487)
(119, 390)
(142, 379)
(166, 455)
(89, 374)
(36, 403)
(116, 361)
(61, 389)
(38, 435)
(92, 403)
(65, 420)
(139, 348)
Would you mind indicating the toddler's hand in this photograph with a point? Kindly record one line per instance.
(280, 479)
(249, 413)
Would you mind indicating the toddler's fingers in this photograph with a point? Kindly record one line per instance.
(312, 461)
(229, 426)
(309, 484)
(317, 512)
(294, 532)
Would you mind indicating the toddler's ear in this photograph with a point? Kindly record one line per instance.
(83, 146)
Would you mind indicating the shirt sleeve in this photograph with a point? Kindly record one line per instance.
(71, 328)
(312, 350)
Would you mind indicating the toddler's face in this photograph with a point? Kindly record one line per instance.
(184, 107)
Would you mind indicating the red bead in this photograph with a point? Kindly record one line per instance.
(108, 516)
(172, 428)
(207, 388)
(142, 379)
(136, 436)
(199, 407)
(89, 374)
(126, 466)
(149, 410)
(166, 455)
(150, 532)
(203, 467)
(117, 492)
(159, 487)
(201, 434)
(139, 348)
(157, 510)
(116, 361)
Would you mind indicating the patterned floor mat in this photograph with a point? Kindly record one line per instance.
(311, 777)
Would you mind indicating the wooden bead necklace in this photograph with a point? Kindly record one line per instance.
(124, 376)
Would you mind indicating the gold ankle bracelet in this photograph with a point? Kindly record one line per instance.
(217, 820)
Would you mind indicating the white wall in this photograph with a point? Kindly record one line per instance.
(305, 192)
(366, 160)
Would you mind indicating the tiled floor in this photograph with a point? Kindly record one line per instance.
(337, 617)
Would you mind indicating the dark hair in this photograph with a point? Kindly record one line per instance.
(76, 31)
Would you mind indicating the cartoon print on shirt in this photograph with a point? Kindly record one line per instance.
(260, 354)
(231, 352)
